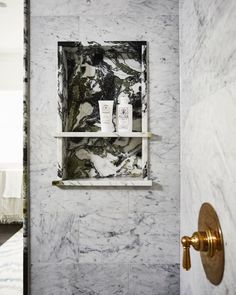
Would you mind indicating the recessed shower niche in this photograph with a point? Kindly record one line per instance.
(90, 72)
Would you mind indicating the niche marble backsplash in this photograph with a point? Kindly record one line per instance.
(105, 240)
(89, 72)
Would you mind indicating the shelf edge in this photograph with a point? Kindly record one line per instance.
(79, 183)
(102, 134)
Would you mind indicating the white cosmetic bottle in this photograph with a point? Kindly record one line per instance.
(124, 115)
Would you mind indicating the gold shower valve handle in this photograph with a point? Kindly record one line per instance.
(197, 241)
(206, 241)
(186, 254)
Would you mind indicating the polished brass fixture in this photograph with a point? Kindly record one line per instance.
(209, 241)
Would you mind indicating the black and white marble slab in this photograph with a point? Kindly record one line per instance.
(87, 73)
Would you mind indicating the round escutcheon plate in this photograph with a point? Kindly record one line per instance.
(213, 264)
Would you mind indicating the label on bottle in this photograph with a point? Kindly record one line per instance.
(106, 114)
(123, 117)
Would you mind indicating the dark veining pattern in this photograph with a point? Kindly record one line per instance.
(88, 73)
(103, 157)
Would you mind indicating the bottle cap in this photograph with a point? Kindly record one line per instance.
(124, 100)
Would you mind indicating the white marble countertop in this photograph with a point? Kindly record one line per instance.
(11, 265)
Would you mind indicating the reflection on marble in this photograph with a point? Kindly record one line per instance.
(208, 117)
(11, 265)
(105, 216)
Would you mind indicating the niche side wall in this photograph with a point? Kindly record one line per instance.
(208, 130)
(105, 240)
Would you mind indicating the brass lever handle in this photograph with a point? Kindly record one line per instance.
(186, 254)
(206, 241)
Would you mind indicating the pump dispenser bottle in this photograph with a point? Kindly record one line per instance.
(124, 115)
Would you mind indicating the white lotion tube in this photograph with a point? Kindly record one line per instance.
(106, 110)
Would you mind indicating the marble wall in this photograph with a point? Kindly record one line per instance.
(208, 129)
(105, 240)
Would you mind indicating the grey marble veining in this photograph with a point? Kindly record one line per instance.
(106, 279)
(208, 116)
(151, 235)
(124, 234)
(62, 230)
(147, 280)
(104, 7)
(89, 279)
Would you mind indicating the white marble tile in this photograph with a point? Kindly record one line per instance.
(163, 196)
(208, 165)
(141, 238)
(109, 229)
(154, 279)
(86, 279)
(113, 27)
(45, 33)
(164, 150)
(104, 7)
(206, 68)
(165, 174)
(154, 201)
(55, 238)
(105, 238)
(155, 243)
(86, 201)
(208, 172)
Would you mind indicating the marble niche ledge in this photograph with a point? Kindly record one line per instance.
(101, 182)
(103, 134)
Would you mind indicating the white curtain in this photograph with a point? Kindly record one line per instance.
(11, 156)
(11, 205)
